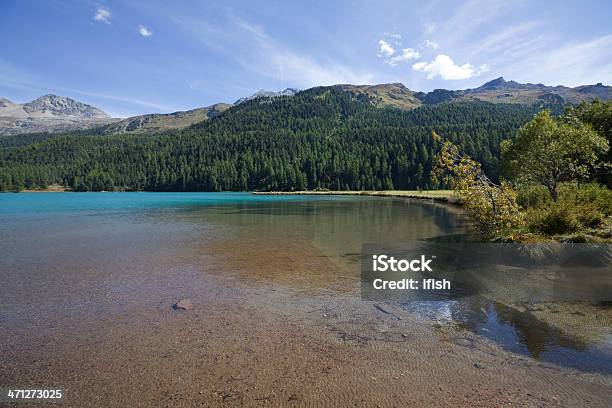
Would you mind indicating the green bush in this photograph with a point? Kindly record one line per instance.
(532, 196)
(578, 207)
(597, 195)
(589, 215)
(552, 220)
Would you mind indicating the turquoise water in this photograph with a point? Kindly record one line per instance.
(37, 203)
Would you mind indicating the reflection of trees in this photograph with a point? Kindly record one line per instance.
(537, 336)
(447, 218)
(473, 317)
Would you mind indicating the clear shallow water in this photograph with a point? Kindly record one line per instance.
(92, 255)
(521, 332)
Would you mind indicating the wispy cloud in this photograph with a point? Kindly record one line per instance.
(254, 49)
(300, 68)
(394, 35)
(103, 15)
(444, 67)
(575, 63)
(17, 78)
(469, 19)
(405, 55)
(430, 44)
(119, 98)
(430, 28)
(531, 51)
(144, 31)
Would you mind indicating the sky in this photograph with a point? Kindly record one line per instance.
(133, 57)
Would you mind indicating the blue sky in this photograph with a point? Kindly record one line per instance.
(134, 57)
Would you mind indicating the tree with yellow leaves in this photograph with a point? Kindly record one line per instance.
(492, 207)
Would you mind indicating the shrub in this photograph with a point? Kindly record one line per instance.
(552, 220)
(531, 196)
(589, 215)
(596, 194)
(586, 206)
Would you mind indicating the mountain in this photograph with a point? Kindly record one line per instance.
(53, 106)
(501, 91)
(323, 137)
(159, 122)
(56, 114)
(396, 94)
(49, 113)
(496, 91)
(267, 94)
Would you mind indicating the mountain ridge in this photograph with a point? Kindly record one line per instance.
(53, 114)
(158, 122)
(323, 137)
(497, 90)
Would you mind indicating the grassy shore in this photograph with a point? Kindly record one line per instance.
(446, 196)
(53, 188)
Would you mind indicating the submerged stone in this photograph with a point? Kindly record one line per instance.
(183, 304)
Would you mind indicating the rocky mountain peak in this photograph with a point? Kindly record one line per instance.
(60, 106)
(49, 113)
(494, 84)
(262, 93)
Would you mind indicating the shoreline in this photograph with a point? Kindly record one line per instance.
(444, 196)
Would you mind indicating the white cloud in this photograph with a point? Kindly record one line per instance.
(385, 49)
(144, 31)
(430, 44)
(444, 67)
(390, 50)
(406, 54)
(430, 27)
(103, 15)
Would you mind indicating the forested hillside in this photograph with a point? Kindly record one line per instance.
(320, 138)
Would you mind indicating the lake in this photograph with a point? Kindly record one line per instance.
(89, 280)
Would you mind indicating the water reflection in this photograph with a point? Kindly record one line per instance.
(522, 332)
